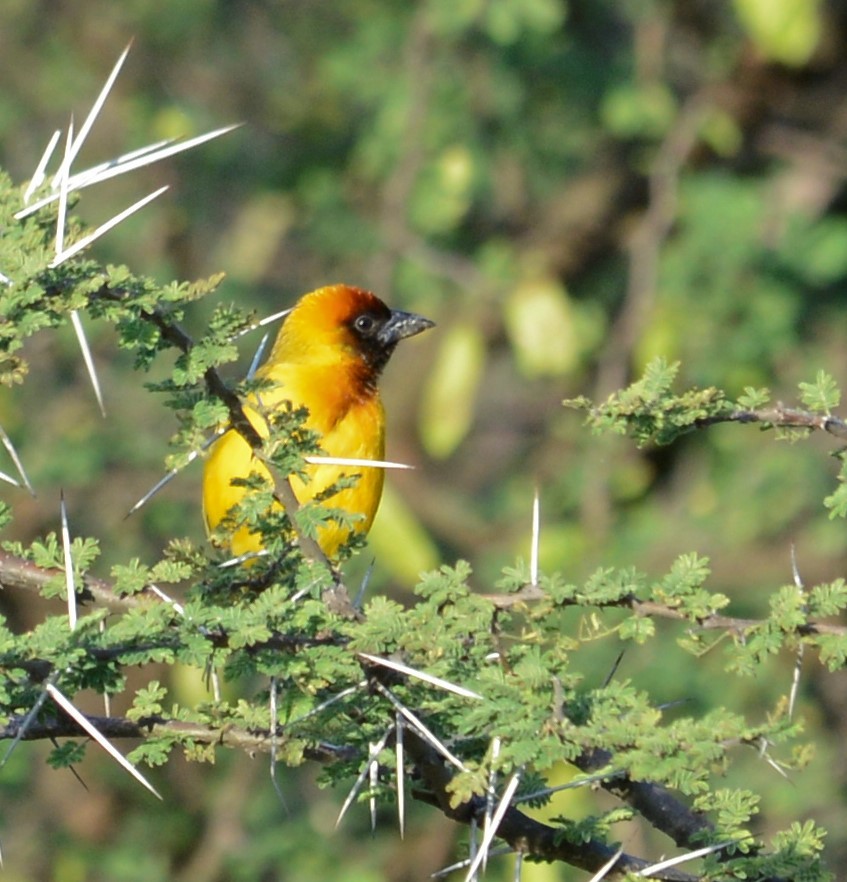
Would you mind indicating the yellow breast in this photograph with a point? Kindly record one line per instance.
(351, 426)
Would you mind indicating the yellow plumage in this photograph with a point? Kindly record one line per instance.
(327, 357)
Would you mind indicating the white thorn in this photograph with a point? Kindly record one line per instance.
(257, 357)
(265, 321)
(420, 675)
(63, 194)
(400, 773)
(489, 796)
(422, 729)
(84, 723)
(373, 779)
(682, 858)
(604, 870)
(64, 255)
(7, 443)
(352, 461)
(64, 169)
(38, 175)
(536, 533)
(178, 607)
(357, 786)
(122, 165)
(70, 588)
(88, 359)
(502, 806)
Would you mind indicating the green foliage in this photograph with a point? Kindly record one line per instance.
(491, 162)
(823, 395)
(650, 412)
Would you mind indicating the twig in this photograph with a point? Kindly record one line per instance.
(781, 417)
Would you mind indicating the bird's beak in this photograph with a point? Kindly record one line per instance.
(402, 325)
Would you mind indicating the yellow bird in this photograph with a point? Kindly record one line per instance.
(327, 357)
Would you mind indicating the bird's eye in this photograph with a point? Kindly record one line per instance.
(364, 323)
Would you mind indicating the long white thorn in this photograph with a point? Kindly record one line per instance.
(682, 858)
(105, 171)
(262, 322)
(373, 779)
(32, 713)
(241, 558)
(9, 479)
(78, 179)
(85, 128)
(107, 700)
(489, 796)
(86, 178)
(328, 703)
(60, 255)
(105, 227)
(400, 772)
(375, 750)
(84, 723)
(536, 534)
(39, 174)
(607, 867)
(360, 594)
(63, 194)
(257, 356)
(70, 587)
(460, 865)
(352, 461)
(274, 733)
(169, 476)
(421, 728)
(175, 604)
(13, 453)
(571, 785)
(473, 843)
(420, 675)
(491, 832)
(87, 357)
(798, 661)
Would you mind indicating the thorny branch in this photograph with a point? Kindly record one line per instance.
(657, 805)
(15, 572)
(781, 417)
(523, 833)
(250, 741)
(519, 830)
(732, 624)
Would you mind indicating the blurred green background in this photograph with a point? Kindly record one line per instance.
(568, 189)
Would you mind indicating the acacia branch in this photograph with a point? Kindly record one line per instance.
(653, 609)
(519, 830)
(523, 833)
(657, 805)
(117, 728)
(782, 417)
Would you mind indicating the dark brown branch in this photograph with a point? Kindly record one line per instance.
(654, 803)
(16, 572)
(781, 417)
(523, 833)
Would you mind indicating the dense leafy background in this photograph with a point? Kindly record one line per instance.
(569, 190)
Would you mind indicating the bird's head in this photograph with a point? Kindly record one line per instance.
(346, 324)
